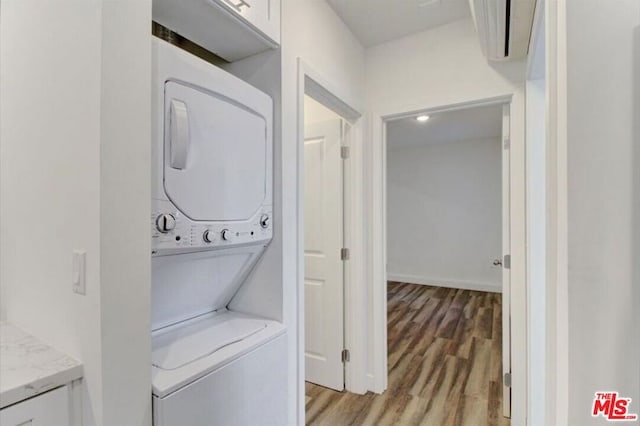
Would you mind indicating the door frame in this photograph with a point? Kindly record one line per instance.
(313, 84)
(376, 274)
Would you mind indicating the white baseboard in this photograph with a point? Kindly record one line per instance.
(371, 384)
(464, 285)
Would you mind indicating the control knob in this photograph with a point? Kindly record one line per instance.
(265, 220)
(209, 236)
(165, 223)
(226, 235)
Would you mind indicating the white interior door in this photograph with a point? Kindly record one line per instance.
(506, 263)
(323, 265)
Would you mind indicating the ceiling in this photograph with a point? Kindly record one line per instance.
(378, 21)
(479, 123)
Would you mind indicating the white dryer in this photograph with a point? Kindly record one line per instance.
(212, 208)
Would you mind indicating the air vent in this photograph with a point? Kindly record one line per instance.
(503, 27)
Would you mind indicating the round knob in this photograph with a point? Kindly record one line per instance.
(165, 223)
(208, 236)
(264, 220)
(226, 235)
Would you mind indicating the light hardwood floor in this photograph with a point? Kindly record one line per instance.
(444, 364)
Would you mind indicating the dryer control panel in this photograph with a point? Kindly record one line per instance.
(173, 232)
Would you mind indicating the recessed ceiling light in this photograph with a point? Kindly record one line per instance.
(422, 118)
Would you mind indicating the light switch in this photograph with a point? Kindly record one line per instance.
(79, 272)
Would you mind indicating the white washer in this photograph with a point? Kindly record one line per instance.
(212, 208)
(222, 369)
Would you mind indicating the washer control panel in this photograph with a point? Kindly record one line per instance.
(171, 230)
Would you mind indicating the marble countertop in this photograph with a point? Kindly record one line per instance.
(29, 367)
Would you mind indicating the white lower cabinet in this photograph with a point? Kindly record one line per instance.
(47, 409)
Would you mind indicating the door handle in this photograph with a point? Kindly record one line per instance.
(497, 262)
(179, 134)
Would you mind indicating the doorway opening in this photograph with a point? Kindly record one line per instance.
(331, 330)
(514, 243)
(446, 363)
(448, 255)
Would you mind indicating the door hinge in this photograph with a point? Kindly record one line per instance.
(507, 143)
(506, 263)
(345, 152)
(345, 355)
(507, 379)
(344, 254)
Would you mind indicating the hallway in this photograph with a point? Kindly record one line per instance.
(444, 364)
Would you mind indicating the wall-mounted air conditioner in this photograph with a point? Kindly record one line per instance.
(504, 27)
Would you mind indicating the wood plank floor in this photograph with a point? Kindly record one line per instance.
(444, 364)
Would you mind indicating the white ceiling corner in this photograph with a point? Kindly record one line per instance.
(378, 21)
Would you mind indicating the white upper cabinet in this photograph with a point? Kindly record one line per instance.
(232, 29)
(264, 15)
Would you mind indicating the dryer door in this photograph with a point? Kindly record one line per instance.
(214, 155)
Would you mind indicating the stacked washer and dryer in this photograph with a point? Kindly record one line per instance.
(212, 210)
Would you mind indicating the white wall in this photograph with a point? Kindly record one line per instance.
(536, 248)
(74, 157)
(598, 123)
(125, 209)
(262, 292)
(313, 32)
(444, 210)
(44, 81)
(537, 238)
(315, 112)
(439, 67)
(557, 340)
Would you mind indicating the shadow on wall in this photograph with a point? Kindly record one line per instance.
(511, 70)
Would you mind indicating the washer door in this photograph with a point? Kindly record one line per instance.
(214, 155)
